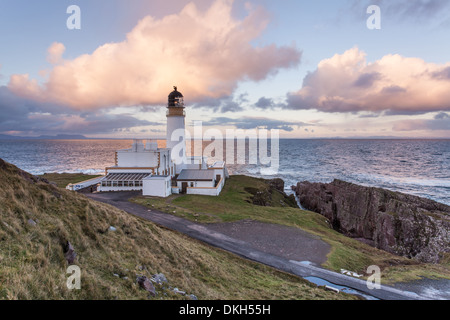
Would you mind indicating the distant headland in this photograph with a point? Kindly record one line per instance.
(45, 137)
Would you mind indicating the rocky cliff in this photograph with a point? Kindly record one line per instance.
(271, 195)
(402, 224)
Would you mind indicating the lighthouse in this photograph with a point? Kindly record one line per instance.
(160, 172)
(176, 126)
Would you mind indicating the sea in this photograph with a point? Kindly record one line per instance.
(417, 167)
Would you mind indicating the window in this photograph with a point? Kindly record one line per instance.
(120, 184)
(192, 184)
(125, 183)
(114, 184)
(108, 183)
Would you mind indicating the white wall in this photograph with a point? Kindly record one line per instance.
(211, 191)
(144, 159)
(157, 187)
(219, 172)
(177, 124)
(197, 184)
(174, 123)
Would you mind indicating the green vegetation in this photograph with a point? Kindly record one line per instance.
(33, 266)
(234, 204)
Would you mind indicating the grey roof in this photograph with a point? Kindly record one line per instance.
(196, 175)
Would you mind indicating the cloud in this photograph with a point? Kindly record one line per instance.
(442, 116)
(222, 105)
(55, 52)
(268, 103)
(442, 74)
(247, 123)
(436, 124)
(395, 84)
(205, 53)
(441, 121)
(28, 117)
(367, 80)
(264, 103)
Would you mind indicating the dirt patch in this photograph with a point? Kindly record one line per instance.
(287, 242)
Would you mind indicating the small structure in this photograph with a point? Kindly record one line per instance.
(160, 172)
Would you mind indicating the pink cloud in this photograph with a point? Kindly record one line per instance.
(440, 122)
(205, 53)
(55, 52)
(348, 83)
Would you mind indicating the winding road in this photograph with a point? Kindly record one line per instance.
(209, 235)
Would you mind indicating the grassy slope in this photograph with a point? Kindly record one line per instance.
(32, 264)
(346, 253)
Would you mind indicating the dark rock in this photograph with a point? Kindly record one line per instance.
(3, 164)
(277, 184)
(262, 198)
(271, 195)
(402, 224)
(147, 285)
(70, 253)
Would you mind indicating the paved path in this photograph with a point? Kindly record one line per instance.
(243, 248)
(283, 241)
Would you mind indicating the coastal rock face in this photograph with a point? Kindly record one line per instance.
(402, 224)
(272, 195)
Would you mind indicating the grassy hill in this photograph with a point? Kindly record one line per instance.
(235, 203)
(37, 219)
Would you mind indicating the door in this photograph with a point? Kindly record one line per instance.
(218, 177)
(184, 186)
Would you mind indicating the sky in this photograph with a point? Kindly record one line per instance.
(310, 69)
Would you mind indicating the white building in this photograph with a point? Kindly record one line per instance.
(160, 172)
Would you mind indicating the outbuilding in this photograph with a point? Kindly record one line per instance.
(157, 186)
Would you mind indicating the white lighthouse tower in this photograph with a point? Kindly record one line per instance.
(176, 126)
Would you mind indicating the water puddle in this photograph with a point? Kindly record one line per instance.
(321, 283)
(428, 288)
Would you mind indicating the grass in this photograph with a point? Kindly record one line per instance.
(350, 254)
(32, 263)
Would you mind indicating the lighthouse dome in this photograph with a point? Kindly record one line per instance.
(176, 98)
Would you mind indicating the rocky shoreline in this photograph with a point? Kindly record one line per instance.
(401, 224)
